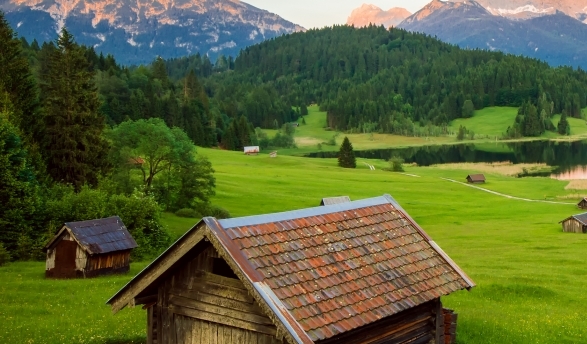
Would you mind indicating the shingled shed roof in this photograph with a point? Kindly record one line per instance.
(98, 236)
(582, 218)
(335, 200)
(476, 177)
(327, 270)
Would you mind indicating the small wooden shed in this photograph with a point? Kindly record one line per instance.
(89, 248)
(476, 178)
(575, 224)
(355, 272)
(335, 200)
(582, 204)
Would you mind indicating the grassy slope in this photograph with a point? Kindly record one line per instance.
(493, 122)
(487, 122)
(530, 275)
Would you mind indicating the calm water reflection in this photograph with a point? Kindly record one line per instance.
(575, 173)
(570, 158)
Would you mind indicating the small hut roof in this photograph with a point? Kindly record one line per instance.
(582, 218)
(476, 177)
(98, 236)
(335, 200)
(323, 271)
(584, 199)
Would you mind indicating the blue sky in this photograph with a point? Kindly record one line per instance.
(316, 13)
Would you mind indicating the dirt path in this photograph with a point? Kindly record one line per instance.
(371, 167)
(504, 195)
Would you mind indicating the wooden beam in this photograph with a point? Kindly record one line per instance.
(214, 309)
(158, 267)
(225, 320)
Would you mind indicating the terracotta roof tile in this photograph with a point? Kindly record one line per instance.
(340, 270)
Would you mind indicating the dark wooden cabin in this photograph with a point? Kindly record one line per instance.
(335, 200)
(476, 178)
(355, 272)
(89, 248)
(575, 224)
(582, 204)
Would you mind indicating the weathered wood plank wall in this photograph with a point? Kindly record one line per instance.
(573, 226)
(196, 306)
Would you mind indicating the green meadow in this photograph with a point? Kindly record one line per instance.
(530, 275)
(488, 124)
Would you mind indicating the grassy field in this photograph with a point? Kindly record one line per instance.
(531, 276)
(488, 124)
(492, 122)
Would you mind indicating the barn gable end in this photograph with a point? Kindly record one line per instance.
(348, 271)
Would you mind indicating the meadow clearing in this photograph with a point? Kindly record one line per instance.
(530, 275)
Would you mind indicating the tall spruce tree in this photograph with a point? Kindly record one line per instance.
(346, 155)
(564, 128)
(18, 84)
(75, 151)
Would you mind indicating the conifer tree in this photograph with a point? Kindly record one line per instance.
(16, 80)
(346, 155)
(74, 148)
(564, 128)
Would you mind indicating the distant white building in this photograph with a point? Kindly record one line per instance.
(252, 150)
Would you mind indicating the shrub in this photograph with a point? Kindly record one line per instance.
(215, 211)
(4, 255)
(187, 212)
(396, 164)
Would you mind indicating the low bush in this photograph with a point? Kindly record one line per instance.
(189, 213)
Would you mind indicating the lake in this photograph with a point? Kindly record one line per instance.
(570, 158)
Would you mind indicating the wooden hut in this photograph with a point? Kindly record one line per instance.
(582, 204)
(476, 178)
(355, 272)
(335, 200)
(575, 224)
(89, 248)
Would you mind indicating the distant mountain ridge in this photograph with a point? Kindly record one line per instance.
(555, 38)
(526, 9)
(371, 14)
(137, 31)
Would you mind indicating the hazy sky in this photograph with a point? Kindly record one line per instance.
(320, 13)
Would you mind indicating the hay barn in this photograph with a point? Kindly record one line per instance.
(355, 272)
(476, 178)
(582, 204)
(89, 248)
(575, 224)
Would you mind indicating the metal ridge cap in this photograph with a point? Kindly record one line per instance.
(302, 213)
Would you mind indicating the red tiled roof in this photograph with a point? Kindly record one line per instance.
(332, 269)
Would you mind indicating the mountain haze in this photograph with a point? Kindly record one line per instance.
(138, 31)
(371, 14)
(525, 9)
(556, 38)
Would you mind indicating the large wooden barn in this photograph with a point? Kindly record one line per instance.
(355, 272)
(89, 248)
(575, 223)
(476, 178)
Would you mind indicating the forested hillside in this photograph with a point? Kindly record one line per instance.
(82, 136)
(378, 79)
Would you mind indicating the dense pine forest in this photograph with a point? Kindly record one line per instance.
(83, 137)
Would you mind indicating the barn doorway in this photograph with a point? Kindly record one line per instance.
(65, 254)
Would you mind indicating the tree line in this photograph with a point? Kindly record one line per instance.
(65, 156)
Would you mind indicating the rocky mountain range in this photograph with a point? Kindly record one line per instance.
(137, 31)
(557, 38)
(526, 9)
(367, 14)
